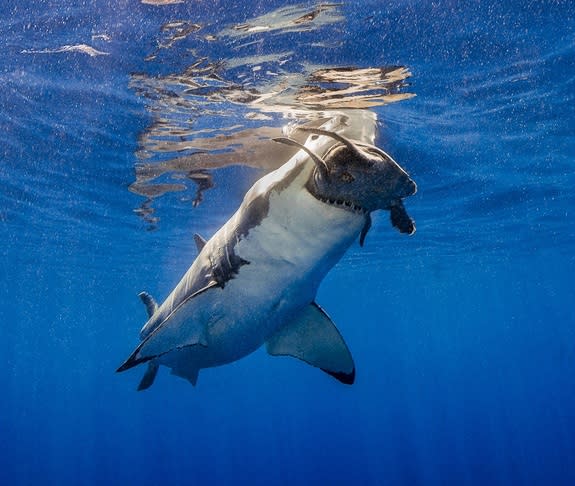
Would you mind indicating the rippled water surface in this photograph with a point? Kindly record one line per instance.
(126, 127)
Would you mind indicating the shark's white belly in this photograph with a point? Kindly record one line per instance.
(289, 253)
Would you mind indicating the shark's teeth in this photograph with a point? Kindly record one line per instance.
(342, 204)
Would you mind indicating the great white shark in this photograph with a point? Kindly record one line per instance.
(255, 281)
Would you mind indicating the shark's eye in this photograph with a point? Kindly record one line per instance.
(346, 177)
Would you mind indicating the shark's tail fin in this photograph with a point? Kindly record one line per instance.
(152, 370)
(149, 376)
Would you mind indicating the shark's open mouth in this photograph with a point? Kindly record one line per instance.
(340, 203)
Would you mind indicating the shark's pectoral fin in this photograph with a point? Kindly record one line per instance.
(313, 338)
(149, 376)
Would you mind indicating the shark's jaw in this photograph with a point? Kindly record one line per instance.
(340, 203)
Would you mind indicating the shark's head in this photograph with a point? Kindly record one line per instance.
(356, 175)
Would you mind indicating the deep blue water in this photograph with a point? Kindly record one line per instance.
(463, 334)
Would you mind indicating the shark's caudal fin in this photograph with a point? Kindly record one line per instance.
(149, 376)
(170, 334)
(313, 338)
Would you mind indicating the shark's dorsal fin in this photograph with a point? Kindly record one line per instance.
(313, 338)
(200, 242)
(149, 376)
(149, 302)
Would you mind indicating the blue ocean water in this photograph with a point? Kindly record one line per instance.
(463, 335)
